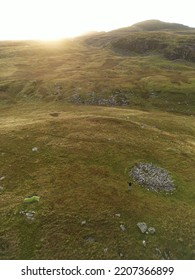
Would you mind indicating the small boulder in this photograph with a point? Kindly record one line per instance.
(122, 227)
(105, 250)
(151, 230)
(142, 226)
(89, 239)
(118, 215)
(30, 215)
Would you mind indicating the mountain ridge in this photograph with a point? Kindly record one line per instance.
(156, 25)
(172, 40)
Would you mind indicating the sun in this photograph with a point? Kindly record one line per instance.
(53, 20)
(42, 19)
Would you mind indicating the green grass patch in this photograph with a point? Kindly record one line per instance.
(80, 171)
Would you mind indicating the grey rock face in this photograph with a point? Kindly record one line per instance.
(142, 226)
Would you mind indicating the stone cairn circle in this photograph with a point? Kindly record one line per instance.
(152, 177)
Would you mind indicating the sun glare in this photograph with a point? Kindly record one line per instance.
(42, 19)
(56, 19)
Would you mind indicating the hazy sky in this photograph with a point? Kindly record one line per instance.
(50, 19)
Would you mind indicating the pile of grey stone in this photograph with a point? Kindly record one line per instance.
(152, 177)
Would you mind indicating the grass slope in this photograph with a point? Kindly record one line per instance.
(80, 173)
(75, 158)
(58, 71)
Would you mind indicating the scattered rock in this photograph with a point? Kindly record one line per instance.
(152, 177)
(2, 178)
(122, 227)
(89, 239)
(105, 250)
(117, 98)
(142, 226)
(121, 255)
(153, 94)
(158, 251)
(118, 215)
(83, 223)
(32, 199)
(166, 255)
(34, 149)
(151, 230)
(30, 215)
(144, 243)
(1, 188)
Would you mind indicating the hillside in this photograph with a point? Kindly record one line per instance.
(157, 25)
(151, 69)
(174, 41)
(78, 118)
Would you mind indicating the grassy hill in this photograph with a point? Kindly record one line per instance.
(152, 69)
(157, 25)
(60, 146)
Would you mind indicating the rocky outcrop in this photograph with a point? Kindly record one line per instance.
(172, 46)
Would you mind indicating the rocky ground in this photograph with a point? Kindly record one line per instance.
(116, 99)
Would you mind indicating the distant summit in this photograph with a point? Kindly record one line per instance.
(150, 37)
(157, 25)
